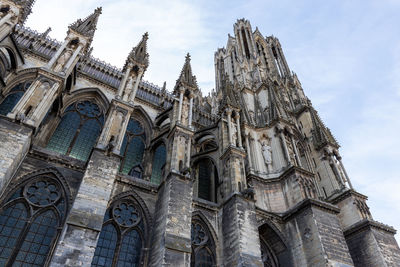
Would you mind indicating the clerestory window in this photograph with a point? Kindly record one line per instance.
(78, 130)
(159, 160)
(132, 149)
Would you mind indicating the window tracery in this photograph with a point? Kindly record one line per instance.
(78, 130)
(267, 256)
(12, 97)
(30, 221)
(203, 250)
(132, 149)
(121, 238)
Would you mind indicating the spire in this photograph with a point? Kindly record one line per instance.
(87, 27)
(321, 134)
(139, 54)
(26, 9)
(186, 78)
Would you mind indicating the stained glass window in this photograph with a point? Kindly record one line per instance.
(205, 171)
(29, 224)
(203, 249)
(159, 159)
(78, 130)
(12, 97)
(120, 242)
(132, 149)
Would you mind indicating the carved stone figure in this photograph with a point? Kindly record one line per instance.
(234, 133)
(267, 155)
(63, 59)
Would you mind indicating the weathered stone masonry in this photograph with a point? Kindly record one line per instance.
(99, 167)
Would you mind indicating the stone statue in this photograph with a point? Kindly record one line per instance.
(128, 89)
(63, 59)
(267, 155)
(234, 133)
(185, 113)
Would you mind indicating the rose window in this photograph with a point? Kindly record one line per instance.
(126, 215)
(42, 193)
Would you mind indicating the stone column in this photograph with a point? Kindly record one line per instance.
(249, 151)
(72, 58)
(237, 117)
(136, 86)
(285, 148)
(296, 153)
(191, 110)
(345, 173)
(181, 91)
(123, 82)
(79, 238)
(229, 118)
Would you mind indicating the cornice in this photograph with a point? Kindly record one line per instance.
(365, 225)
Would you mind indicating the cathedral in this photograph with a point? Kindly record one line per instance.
(99, 167)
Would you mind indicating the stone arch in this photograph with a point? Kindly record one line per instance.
(203, 239)
(272, 239)
(117, 228)
(42, 199)
(87, 94)
(8, 62)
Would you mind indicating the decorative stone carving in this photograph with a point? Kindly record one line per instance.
(267, 154)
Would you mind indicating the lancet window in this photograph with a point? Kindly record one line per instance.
(132, 149)
(206, 175)
(78, 130)
(203, 250)
(159, 160)
(31, 221)
(12, 97)
(122, 236)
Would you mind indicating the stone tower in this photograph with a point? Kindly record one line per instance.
(99, 167)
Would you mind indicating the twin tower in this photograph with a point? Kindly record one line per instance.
(99, 167)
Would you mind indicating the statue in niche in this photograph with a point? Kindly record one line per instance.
(128, 89)
(267, 154)
(234, 132)
(63, 59)
(66, 55)
(185, 112)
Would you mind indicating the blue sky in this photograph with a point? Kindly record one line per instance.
(345, 53)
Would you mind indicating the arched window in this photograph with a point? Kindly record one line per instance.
(206, 175)
(132, 149)
(12, 97)
(159, 159)
(267, 256)
(121, 238)
(31, 220)
(203, 249)
(78, 130)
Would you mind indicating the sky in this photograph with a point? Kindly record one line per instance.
(346, 55)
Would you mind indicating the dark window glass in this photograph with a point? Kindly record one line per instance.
(267, 256)
(131, 246)
(26, 239)
(78, 130)
(36, 246)
(159, 159)
(132, 149)
(205, 171)
(120, 242)
(11, 99)
(203, 247)
(104, 254)
(203, 258)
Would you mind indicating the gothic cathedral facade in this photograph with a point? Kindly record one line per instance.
(99, 167)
